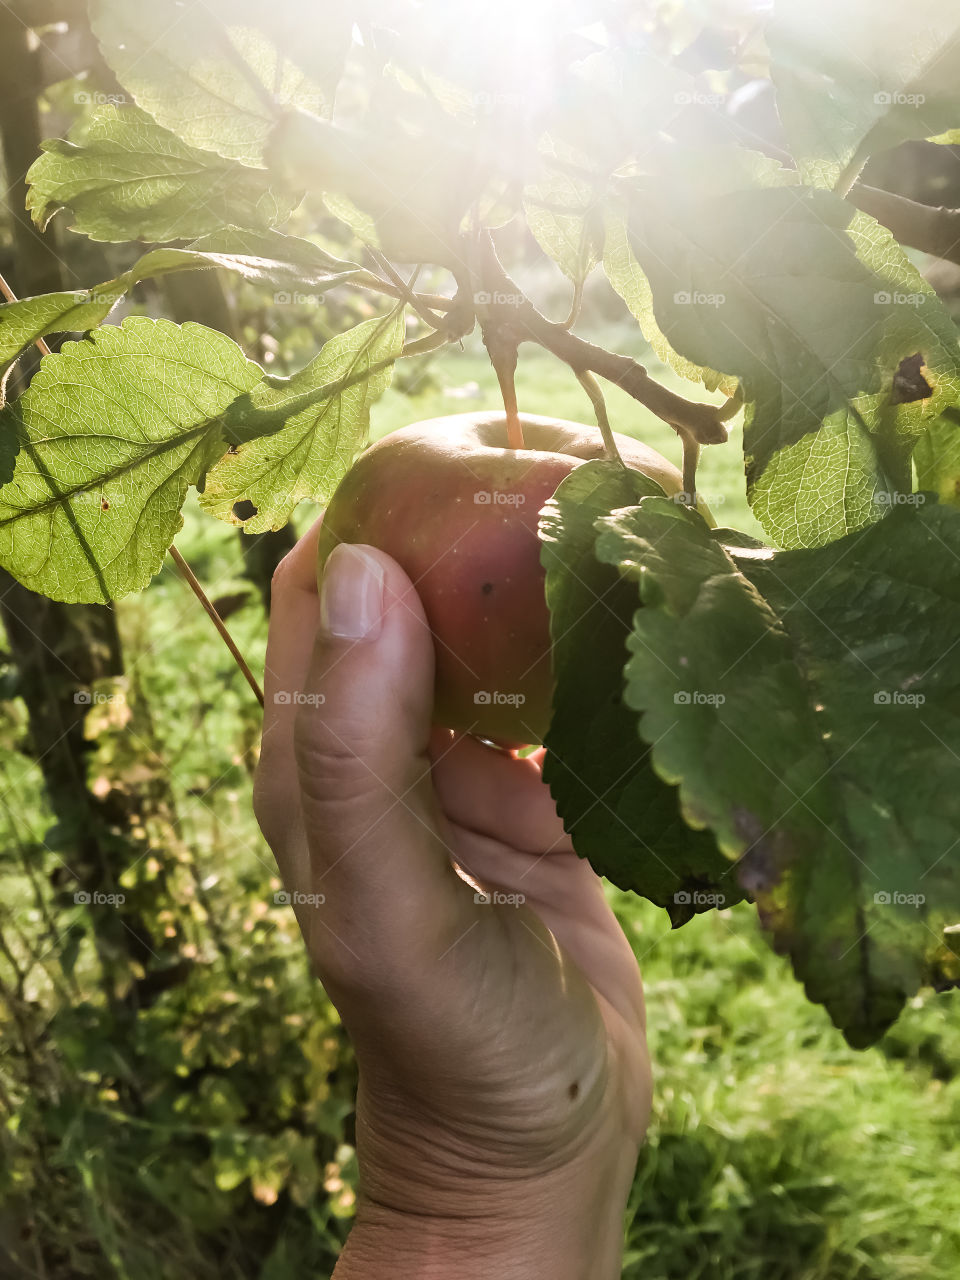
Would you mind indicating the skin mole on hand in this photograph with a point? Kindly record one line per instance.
(574, 1090)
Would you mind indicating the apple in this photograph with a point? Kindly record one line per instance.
(458, 511)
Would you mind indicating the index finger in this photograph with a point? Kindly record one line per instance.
(294, 620)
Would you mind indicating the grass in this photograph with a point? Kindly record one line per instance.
(777, 1152)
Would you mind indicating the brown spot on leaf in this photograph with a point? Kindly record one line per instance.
(909, 384)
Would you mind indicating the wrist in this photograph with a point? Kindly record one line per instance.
(553, 1228)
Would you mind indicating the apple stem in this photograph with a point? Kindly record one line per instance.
(503, 350)
(593, 390)
(515, 438)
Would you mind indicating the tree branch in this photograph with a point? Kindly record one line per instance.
(699, 422)
(368, 280)
(934, 230)
(406, 290)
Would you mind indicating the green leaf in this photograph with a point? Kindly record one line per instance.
(937, 458)
(619, 813)
(627, 278)
(129, 179)
(220, 74)
(724, 169)
(303, 432)
(112, 432)
(272, 257)
(565, 216)
(406, 193)
(880, 77)
(261, 257)
(814, 307)
(807, 705)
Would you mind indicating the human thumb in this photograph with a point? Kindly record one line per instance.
(376, 846)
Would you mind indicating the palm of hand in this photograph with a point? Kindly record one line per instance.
(530, 1048)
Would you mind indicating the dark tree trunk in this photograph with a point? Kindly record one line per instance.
(262, 552)
(61, 651)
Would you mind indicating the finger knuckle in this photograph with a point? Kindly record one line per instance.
(331, 763)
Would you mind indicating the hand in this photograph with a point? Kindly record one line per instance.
(504, 1076)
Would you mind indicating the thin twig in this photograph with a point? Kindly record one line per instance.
(369, 280)
(575, 306)
(406, 290)
(429, 342)
(593, 390)
(733, 406)
(218, 622)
